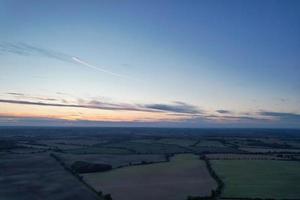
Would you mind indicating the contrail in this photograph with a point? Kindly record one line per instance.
(96, 68)
(27, 50)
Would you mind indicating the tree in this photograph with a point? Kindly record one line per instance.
(107, 197)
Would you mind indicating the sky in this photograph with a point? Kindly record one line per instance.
(204, 63)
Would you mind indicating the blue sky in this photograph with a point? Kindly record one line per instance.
(152, 61)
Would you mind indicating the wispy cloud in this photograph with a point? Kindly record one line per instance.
(282, 115)
(95, 67)
(24, 49)
(102, 106)
(15, 93)
(176, 112)
(259, 116)
(242, 118)
(48, 121)
(224, 111)
(22, 95)
(177, 107)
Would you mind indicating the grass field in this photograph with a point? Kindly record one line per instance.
(259, 178)
(184, 175)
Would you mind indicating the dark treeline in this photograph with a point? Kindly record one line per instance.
(80, 178)
(215, 194)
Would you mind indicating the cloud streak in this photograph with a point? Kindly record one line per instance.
(24, 49)
(223, 111)
(77, 60)
(154, 108)
(180, 112)
(102, 106)
(282, 115)
(177, 107)
(47, 121)
(15, 94)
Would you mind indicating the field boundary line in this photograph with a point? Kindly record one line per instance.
(215, 193)
(77, 176)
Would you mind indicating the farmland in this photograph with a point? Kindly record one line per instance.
(184, 175)
(38, 176)
(244, 156)
(180, 142)
(97, 150)
(144, 163)
(153, 148)
(112, 159)
(259, 178)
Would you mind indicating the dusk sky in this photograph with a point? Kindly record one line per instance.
(154, 63)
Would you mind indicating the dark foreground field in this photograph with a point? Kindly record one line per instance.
(38, 176)
(148, 164)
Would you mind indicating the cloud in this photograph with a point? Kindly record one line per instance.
(95, 67)
(199, 122)
(30, 50)
(193, 117)
(102, 106)
(251, 118)
(24, 49)
(177, 107)
(22, 95)
(282, 115)
(46, 121)
(224, 111)
(15, 94)
(183, 114)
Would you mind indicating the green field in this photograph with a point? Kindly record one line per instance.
(180, 142)
(184, 175)
(259, 178)
(209, 143)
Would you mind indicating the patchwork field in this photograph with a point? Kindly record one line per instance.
(113, 160)
(180, 142)
(132, 163)
(269, 150)
(209, 143)
(259, 178)
(229, 156)
(98, 150)
(38, 176)
(147, 148)
(26, 150)
(72, 141)
(199, 149)
(184, 175)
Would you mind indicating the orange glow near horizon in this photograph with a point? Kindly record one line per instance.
(73, 114)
